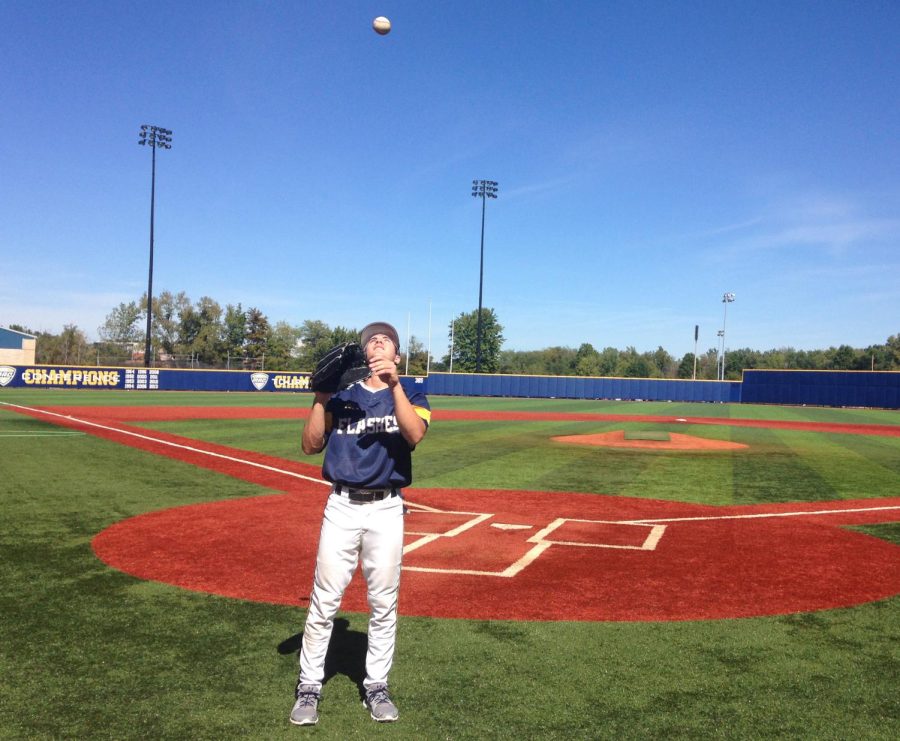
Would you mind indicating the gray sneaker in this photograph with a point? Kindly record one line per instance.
(305, 711)
(380, 705)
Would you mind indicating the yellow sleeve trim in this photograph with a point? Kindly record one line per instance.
(424, 414)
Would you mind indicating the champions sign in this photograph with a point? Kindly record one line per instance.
(150, 379)
(77, 377)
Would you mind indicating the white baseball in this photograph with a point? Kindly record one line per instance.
(381, 25)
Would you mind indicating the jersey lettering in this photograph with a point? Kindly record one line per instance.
(366, 426)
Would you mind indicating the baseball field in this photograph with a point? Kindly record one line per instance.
(572, 570)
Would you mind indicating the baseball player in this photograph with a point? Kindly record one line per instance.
(370, 430)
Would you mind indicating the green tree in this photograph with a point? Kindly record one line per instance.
(121, 331)
(257, 345)
(203, 332)
(315, 341)
(123, 324)
(587, 361)
(235, 333)
(558, 361)
(283, 347)
(892, 352)
(663, 364)
(166, 321)
(842, 358)
(686, 366)
(609, 361)
(70, 347)
(634, 365)
(417, 356)
(463, 332)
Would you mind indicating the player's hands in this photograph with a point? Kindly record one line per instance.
(322, 397)
(383, 366)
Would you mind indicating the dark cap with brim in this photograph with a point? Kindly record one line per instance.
(370, 330)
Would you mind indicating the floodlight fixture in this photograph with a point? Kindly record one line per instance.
(484, 189)
(154, 137)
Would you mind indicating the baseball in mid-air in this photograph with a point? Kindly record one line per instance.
(381, 25)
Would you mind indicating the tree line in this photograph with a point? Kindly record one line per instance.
(203, 334)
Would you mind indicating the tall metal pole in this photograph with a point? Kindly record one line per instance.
(485, 189)
(480, 287)
(727, 298)
(154, 137)
(150, 271)
(696, 336)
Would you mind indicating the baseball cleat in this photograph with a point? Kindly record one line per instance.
(305, 711)
(380, 705)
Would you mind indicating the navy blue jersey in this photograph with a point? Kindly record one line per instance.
(365, 449)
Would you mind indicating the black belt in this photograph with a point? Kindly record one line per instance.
(364, 495)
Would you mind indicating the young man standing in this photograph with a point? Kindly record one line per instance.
(370, 431)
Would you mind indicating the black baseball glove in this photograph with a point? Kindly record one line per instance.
(342, 366)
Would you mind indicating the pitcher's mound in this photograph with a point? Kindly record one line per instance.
(617, 439)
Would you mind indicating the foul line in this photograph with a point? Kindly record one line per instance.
(757, 516)
(169, 443)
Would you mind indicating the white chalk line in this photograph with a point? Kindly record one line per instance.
(160, 441)
(757, 516)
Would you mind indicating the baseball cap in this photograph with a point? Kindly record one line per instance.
(370, 330)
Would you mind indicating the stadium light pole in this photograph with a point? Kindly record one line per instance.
(696, 337)
(155, 138)
(727, 298)
(721, 344)
(484, 189)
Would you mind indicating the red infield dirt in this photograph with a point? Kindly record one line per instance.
(676, 441)
(517, 555)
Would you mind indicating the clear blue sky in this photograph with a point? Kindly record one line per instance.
(651, 156)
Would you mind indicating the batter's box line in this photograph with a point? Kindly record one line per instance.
(539, 539)
(649, 544)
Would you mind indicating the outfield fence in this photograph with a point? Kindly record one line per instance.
(875, 389)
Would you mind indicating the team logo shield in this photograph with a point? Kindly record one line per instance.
(7, 373)
(259, 380)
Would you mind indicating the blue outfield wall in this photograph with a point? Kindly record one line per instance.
(150, 379)
(880, 389)
(578, 387)
(813, 388)
(159, 379)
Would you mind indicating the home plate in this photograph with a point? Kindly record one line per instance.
(502, 526)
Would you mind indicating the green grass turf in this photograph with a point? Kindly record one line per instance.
(778, 465)
(76, 397)
(88, 652)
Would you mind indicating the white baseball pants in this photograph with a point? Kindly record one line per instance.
(374, 531)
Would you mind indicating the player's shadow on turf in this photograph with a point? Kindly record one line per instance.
(346, 652)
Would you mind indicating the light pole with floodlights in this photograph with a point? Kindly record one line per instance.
(155, 138)
(484, 189)
(727, 298)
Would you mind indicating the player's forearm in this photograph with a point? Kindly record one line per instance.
(313, 439)
(411, 425)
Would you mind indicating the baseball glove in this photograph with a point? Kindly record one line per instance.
(342, 366)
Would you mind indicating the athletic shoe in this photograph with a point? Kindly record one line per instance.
(380, 705)
(305, 711)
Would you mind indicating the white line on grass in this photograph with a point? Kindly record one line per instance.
(758, 516)
(170, 444)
